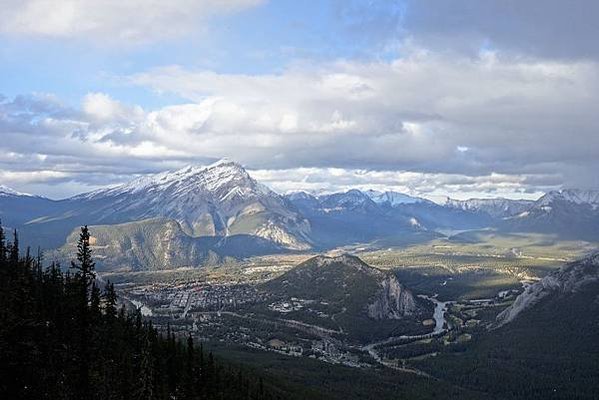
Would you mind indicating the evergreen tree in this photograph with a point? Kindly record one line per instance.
(190, 372)
(145, 380)
(14, 249)
(61, 338)
(2, 244)
(84, 278)
(110, 301)
(86, 265)
(94, 304)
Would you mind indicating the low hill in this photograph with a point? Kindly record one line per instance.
(360, 299)
(157, 244)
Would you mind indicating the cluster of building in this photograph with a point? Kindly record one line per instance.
(179, 301)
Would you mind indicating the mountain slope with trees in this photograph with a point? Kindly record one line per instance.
(548, 350)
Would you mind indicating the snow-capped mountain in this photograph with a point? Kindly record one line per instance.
(303, 200)
(221, 199)
(392, 198)
(497, 208)
(348, 217)
(223, 180)
(571, 213)
(18, 208)
(6, 191)
(352, 200)
(575, 196)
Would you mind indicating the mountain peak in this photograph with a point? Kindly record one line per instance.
(6, 191)
(189, 178)
(345, 281)
(220, 199)
(393, 198)
(224, 162)
(300, 195)
(352, 198)
(345, 259)
(496, 207)
(193, 169)
(578, 196)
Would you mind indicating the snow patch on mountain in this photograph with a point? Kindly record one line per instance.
(497, 207)
(219, 199)
(393, 198)
(576, 196)
(5, 191)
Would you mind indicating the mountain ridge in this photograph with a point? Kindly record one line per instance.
(564, 281)
(496, 207)
(222, 199)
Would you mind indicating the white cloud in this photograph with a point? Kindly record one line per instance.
(112, 21)
(487, 124)
(101, 107)
(434, 186)
(547, 28)
(418, 112)
(27, 177)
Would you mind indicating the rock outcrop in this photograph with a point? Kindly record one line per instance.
(564, 281)
(393, 301)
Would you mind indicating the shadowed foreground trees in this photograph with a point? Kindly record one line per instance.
(61, 337)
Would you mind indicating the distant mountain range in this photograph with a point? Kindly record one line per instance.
(572, 214)
(223, 201)
(496, 208)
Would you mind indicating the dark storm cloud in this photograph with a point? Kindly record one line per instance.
(541, 28)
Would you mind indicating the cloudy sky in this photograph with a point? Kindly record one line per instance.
(461, 98)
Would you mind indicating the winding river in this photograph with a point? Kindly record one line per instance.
(439, 313)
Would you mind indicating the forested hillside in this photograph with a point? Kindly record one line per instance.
(62, 337)
(549, 351)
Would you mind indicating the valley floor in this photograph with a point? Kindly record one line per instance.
(465, 284)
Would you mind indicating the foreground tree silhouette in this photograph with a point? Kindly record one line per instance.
(2, 244)
(84, 278)
(86, 266)
(62, 338)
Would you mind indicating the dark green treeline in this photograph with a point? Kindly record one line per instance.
(62, 337)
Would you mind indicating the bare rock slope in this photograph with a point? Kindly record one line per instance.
(567, 280)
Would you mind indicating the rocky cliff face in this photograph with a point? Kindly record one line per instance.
(564, 281)
(348, 283)
(221, 199)
(393, 301)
